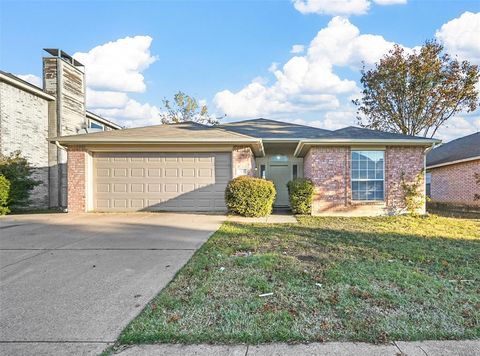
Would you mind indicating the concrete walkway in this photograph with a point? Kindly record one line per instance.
(277, 217)
(429, 348)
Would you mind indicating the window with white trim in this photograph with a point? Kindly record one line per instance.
(367, 175)
(96, 125)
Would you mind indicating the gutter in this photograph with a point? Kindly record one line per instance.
(258, 143)
(27, 87)
(453, 162)
(350, 142)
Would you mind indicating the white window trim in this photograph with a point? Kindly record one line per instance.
(366, 179)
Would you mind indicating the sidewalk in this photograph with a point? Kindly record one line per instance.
(423, 348)
(278, 216)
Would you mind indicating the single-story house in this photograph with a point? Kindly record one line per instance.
(186, 166)
(451, 172)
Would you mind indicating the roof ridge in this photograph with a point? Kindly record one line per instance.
(281, 122)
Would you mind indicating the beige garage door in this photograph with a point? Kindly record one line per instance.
(131, 181)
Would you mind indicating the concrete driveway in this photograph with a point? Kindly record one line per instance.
(69, 284)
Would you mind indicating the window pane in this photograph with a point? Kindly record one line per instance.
(294, 171)
(367, 174)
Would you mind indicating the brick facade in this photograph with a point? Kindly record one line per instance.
(243, 161)
(409, 161)
(24, 128)
(455, 183)
(77, 171)
(329, 169)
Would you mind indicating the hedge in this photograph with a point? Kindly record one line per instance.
(4, 194)
(250, 196)
(300, 194)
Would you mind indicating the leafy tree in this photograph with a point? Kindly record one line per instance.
(186, 108)
(416, 93)
(18, 171)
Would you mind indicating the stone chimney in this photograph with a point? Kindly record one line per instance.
(64, 78)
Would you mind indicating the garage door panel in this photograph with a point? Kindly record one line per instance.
(160, 181)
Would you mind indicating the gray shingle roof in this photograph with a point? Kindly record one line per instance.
(271, 129)
(456, 150)
(186, 131)
(248, 130)
(354, 132)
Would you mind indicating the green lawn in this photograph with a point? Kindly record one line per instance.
(361, 279)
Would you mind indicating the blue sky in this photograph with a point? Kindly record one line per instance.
(234, 55)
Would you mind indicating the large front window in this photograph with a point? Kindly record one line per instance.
(367, 172)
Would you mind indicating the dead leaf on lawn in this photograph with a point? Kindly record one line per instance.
(173, 319)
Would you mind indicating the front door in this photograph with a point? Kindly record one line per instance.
(280, 175)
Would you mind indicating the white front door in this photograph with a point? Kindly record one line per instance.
(280, 175)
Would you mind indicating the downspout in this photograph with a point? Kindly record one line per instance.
(60, 146)
(428, 149)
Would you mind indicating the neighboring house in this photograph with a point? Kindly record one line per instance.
(451, 170)
(29, 115)
(186, 166)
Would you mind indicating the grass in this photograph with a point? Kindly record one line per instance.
(355, 279)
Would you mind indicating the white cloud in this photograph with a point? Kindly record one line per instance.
(461, 36)
(340, 7)
(297, 49)
(112, 71)
(458, 126)
(31, 78)
(106, 99)
(118, 65)
(332, 7)
(133, 113)
(308, 83)
(342, 44)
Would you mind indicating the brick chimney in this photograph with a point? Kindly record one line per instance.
(64, 78)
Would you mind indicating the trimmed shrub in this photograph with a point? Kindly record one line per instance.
(250, 196)
(4, 194)
(18, 172)
(300, 194)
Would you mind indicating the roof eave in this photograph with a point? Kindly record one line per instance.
(256, 145)
(299, 150)
(453, 162)
(27, 87)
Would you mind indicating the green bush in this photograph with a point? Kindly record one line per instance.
(300, 194)
(4, 193)
(250, 196)
(18, 172)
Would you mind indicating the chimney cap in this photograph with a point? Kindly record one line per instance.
(56, 52)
